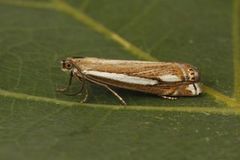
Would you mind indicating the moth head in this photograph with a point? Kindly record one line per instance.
(67, 65)
(193, 73)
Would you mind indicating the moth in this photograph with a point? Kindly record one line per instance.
(164, 79)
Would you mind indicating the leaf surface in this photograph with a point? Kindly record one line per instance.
(38, 123)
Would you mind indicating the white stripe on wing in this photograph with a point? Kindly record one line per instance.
(122, 78)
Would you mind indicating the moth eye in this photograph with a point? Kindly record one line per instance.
(68, 65)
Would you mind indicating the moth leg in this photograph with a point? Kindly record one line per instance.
(69, 84)
(113, 92)
(85, 97)
(81, 89)
(169, 97)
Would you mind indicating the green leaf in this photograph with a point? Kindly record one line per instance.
(38, 123)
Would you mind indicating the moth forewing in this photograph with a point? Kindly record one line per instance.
(159, 78)
(161, 71)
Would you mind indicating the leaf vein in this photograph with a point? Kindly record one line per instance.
(236, 49)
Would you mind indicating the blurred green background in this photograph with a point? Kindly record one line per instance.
(36, 34)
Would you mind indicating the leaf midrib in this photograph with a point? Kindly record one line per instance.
(188, 109)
